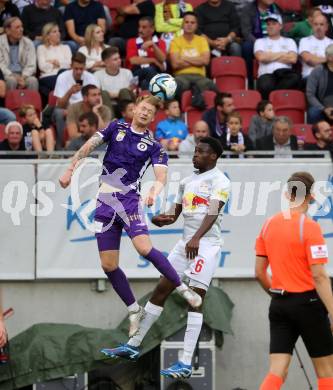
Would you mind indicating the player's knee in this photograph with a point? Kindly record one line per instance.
(109, 265)
(144, 249)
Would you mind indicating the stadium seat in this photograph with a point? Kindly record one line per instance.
(289, 102)
(52, 100)
(246, 103)
(304, 130)
(229, 73)
(2, 132)
(17, 97)
(192, 114)
(160, 116)
(290, 5)
(195, 3)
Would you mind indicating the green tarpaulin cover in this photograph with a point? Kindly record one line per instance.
(49, 351)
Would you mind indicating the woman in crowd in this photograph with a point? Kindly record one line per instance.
(94, 45)
(52, 56)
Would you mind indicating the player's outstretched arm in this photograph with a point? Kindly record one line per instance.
(169, 217)
(161, 175)
(192, 247)
(85, 150)
(261, 272)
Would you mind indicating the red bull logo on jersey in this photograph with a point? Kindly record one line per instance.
(192, 201)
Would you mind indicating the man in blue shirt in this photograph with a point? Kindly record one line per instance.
(172, 130)
(130, 151)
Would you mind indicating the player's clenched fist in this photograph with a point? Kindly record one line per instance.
(65, 179)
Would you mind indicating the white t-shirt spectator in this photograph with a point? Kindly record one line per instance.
(65, 81)
(92, 56)
(114, 83)
(315, 46)
(267, 44)
(62, 53)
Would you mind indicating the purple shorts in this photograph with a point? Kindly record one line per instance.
(115, 212)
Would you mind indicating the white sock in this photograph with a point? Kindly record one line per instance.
(152, 313)
(182, 287)
(194, 324)
(133, 307)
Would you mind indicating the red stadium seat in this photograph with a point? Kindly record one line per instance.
(17, 97)
(289, 102)
(2, 132)
(245, 102)
(229, 73)
(52, 100)
(195, 3)
(160, 116)
(304, 130)
(290, 5)
(193, 114)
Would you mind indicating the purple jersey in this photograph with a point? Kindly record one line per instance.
(128, 155)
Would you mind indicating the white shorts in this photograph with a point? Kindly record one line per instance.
(201, 270)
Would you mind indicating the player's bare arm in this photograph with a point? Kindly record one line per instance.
(192, 247)
(169, 217)
(161, 175)
(261, 272)
(85, 150)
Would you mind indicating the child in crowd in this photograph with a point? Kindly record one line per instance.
(126, 110)
(262, 123)
(172, 130)
(37, 136)
(234, 140)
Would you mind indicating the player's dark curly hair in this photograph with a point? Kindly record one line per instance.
(214, 145)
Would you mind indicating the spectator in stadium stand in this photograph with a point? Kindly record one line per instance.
(20, 4)
(127, 111)
(52, 56)
(219, 22)
(319, 90)
(78, 15)
(200, 130)
(17, 56)
(94, 45)
(35, 16)
(262, 123)
(189, 56)
(312, 48)
(42, 137)
(216, 117)
(14, 141)
(281, 140)
(169, 18)
(171, 131)
(254, 26)
(7, 10)
(88, 125)
(276, 56)
(68, 91)
(92, 102)
(128, 21)
(146, 54)
(5, 114)
(234, 140)
(116, 83)
(303, 28)
(323, 133)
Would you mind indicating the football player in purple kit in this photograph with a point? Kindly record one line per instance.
(130, 150)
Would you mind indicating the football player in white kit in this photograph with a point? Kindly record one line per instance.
(201, 199)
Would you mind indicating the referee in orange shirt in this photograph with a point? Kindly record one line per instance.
(292, 245)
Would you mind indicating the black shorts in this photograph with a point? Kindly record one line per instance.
(304, 315)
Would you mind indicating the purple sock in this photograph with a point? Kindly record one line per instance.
(121, 286)
(163, 265)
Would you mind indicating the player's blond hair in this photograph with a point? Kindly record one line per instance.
(154, 101)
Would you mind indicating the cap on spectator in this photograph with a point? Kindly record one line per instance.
(13, 123)
(275, 17)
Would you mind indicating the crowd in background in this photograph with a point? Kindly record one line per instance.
(89, 64)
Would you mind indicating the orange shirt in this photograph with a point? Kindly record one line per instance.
(292, 245)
